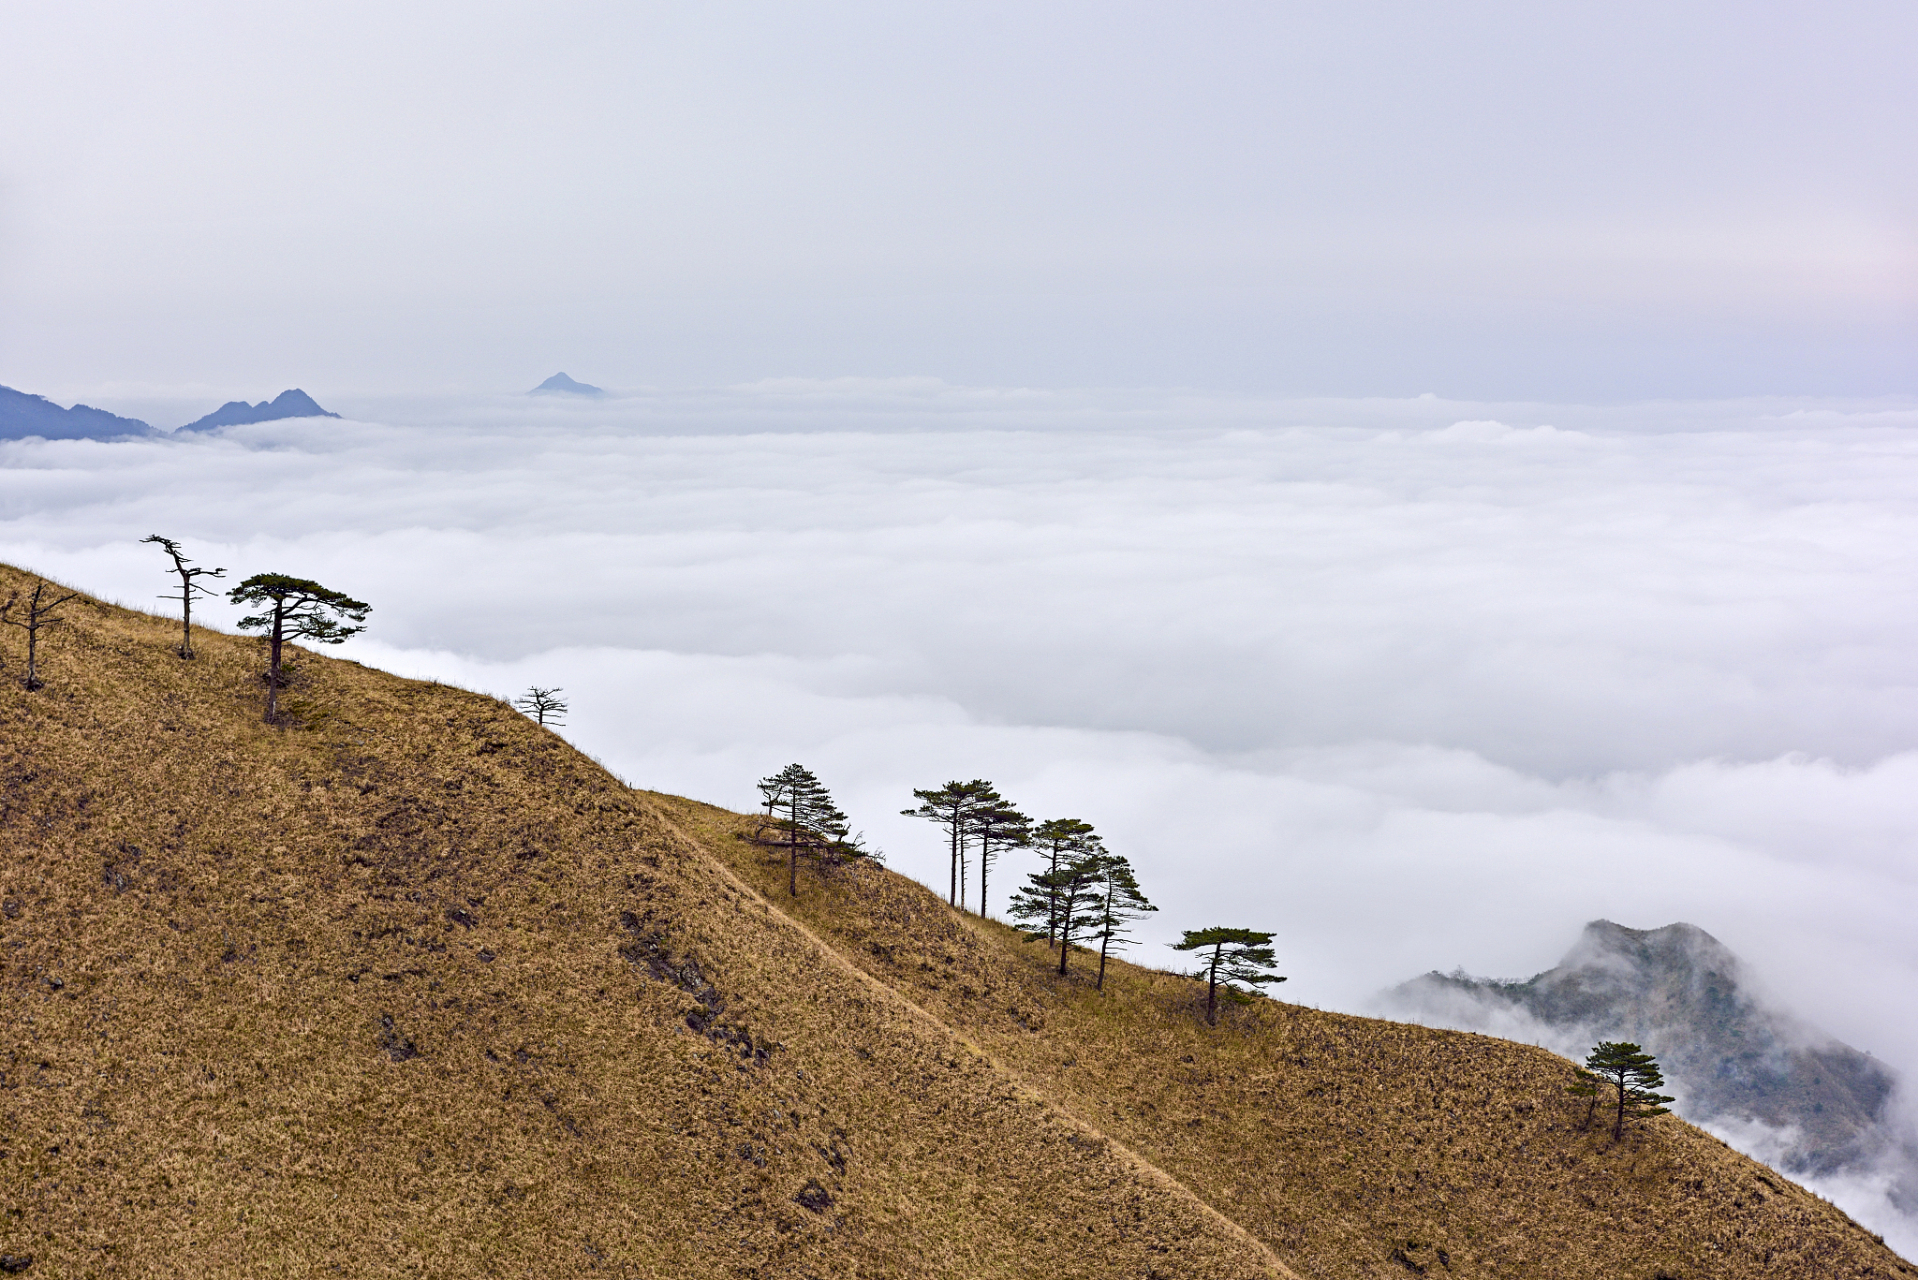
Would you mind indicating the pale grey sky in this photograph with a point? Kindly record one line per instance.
(1499, 199)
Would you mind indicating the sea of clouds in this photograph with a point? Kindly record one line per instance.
(1413, 683)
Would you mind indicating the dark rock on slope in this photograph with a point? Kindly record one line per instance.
(23, 415)
(288, 404)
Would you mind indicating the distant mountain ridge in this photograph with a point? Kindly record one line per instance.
(1728, 1054)
(561, 385)
(23, 415)
(293, 403)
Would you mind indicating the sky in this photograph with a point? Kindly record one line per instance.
(1416, 480)
(1496, 201)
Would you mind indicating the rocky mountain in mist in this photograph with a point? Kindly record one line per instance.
(293, 403)
(1730, 1054)
(561, 385)
(23, 415)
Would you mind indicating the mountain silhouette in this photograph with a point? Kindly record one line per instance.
(23, 415)
(294, 403)
(561, 385)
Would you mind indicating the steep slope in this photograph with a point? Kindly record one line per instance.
(1727, 1052)
(1352, 1146)
(416, 989)
(419, 990)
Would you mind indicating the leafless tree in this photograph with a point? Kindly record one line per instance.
(39, 613)
(189, 588)
(544, 705)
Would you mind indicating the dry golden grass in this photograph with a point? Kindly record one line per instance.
(1351, 1146)
(416, 989)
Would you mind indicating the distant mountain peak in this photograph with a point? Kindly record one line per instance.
(561, 385)
(292, 403)
(23, 414)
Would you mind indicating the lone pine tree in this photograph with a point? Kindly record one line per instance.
(952, 807)
(39, 614)
(1634, 1075)
(1121, 902)
(295, 609)
(190, 586)
(1236, 956)
(803, 812)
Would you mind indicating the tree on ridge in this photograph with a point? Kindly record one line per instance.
(1634, 1075)
(802, 810)
(996, 825)
(543, 705)
(1068, 897)
(952, 806)
(40, 613)
(190, 586)
(1237, 956)
(1121, 902)
(1063, 840)
(295, 609)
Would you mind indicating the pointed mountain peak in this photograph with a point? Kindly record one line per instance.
(561, 385)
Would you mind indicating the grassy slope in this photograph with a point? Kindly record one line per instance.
(219, 941)
(406, 992)
(1353, 1146)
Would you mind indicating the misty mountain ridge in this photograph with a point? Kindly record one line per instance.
(1732, 1056)
(561, 385)
(292, 403)
(23, 415)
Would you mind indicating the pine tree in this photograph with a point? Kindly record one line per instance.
(803, 813)
(1121, 902)
(1062, 840)
(1634, 1075)
(952, 807)
(189, 587)
(295, 609)
(996, 825)
(1238, 956)
(1069, 897)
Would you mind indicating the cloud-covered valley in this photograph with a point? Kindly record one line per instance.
(1416, 684)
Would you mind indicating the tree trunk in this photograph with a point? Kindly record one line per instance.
(273, 667)
(952, 894)
(1618, 1124)
(186, 618)
(792, 849)
(1212, 989)
(1065, 946)
(1103, 944)
(985, 858)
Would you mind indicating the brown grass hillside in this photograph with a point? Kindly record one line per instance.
(416, 989)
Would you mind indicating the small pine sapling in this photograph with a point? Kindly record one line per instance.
(544, 705)
(295, 609)
(1121, 902)
(1634, 1076)
(38, 616)
(1236, 956)
(190, 586)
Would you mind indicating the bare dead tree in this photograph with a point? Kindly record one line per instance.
(543, 705)
(39, 614)
(189, 587)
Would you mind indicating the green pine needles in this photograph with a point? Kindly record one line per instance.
(1633, 1077)
(1232, 958)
